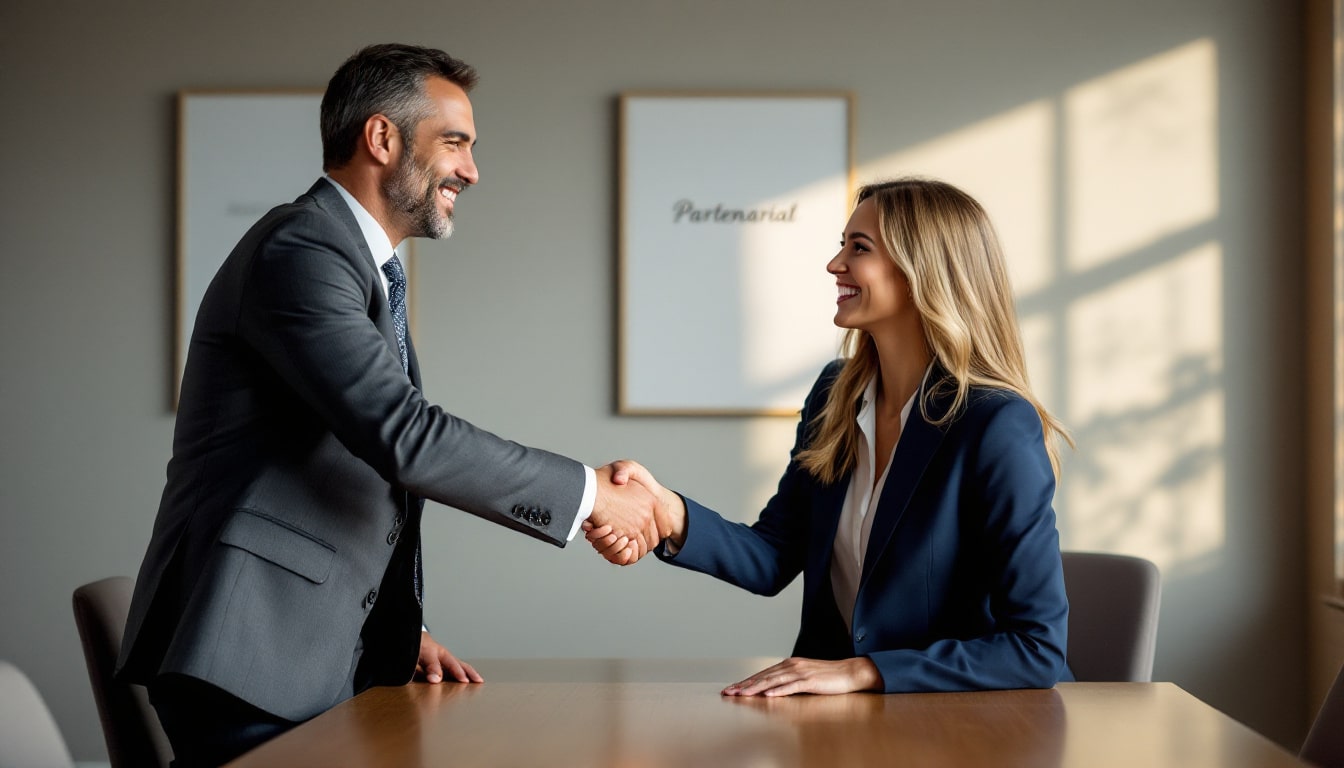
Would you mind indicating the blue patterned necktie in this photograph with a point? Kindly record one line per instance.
(396, 299)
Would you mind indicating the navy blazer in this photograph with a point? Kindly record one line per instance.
(962, 586)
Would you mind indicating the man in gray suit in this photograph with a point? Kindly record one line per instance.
(283, 573)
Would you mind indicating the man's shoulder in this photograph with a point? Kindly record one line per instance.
(309, 215)
(320, 206)
(301, 237)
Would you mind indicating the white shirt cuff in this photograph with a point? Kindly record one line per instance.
(586, 503)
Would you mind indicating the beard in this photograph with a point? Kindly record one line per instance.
(412, 192)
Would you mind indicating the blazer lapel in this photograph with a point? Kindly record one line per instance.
(827, 503)
(918, 443)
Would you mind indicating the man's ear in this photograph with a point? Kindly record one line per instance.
(382, 139)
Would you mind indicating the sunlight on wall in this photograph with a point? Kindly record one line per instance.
(1142, 154)
(1005, 162)
(1143, 350)
(1147, 406)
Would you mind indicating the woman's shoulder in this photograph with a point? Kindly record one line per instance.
(984, 403)
(997, 411)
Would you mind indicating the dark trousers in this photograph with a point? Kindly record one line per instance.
(206, 726)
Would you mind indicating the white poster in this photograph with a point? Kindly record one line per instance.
(730, 207)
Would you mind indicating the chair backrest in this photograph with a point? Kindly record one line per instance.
(1325, 741)
(1113, 606)
(130, 725)
(29, 737)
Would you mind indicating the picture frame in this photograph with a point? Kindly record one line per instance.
(239, 154)
(731, 204)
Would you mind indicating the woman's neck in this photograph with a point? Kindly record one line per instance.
(902, 360)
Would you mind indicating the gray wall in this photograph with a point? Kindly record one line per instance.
(1191, 457)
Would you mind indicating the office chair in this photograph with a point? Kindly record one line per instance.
(1325, 741)
(1113, 606)
(130, 725)
(29, 737)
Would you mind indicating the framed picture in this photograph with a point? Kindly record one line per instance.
(239, 154)
(731, 204)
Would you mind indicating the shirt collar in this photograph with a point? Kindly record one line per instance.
(375, 237)
(867, 418)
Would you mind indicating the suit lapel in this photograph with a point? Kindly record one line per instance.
(329, 200)
(918, 443)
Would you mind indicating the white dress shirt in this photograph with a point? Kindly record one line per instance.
(861, 500)
(382, 248)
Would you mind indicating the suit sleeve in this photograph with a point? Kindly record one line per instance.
(766, 556)
(1013, 482)
(305, 311)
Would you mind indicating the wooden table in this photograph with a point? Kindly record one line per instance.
(647, 713)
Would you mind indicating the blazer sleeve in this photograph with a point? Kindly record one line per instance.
(767, 555)
(305, 311)
(1012, 481)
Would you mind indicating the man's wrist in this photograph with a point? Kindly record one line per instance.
(586, 502)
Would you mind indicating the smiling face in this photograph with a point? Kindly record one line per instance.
(873, 294)
(436, 163)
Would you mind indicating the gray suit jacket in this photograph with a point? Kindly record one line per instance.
(284, 547)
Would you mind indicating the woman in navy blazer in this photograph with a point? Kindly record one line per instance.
(917, 502)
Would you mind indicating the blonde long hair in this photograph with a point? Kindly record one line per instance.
(943, 243)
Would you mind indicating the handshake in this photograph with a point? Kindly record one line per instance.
(632, 514)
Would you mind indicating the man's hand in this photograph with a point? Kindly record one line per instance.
(626, 513)
(810, 676)
(435, 660)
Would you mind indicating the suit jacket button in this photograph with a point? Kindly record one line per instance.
(369, 598)
(858, 636)
(518, 510)
(546, 518)
(393, 536)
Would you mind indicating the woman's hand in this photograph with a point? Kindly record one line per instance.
(797, 675)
